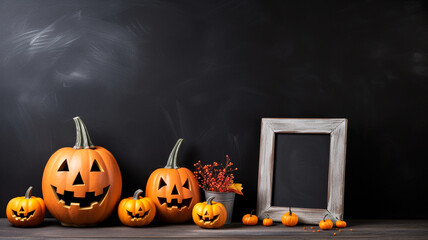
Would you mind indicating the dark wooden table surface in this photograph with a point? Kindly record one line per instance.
(361, 229)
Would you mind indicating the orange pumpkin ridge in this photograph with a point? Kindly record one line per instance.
(340, 223)
(81, 185)
(267, 221)
(174, 190)
(326, 224)
(289, 219)
(250, 219)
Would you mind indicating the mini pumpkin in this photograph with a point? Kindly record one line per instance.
(267, 221)
(136, 211)
(81, 185)
(209, 214)
(250, 219)
(174, 190)
(289, 219)
(326, 224)
(340, 223)
(27, 211)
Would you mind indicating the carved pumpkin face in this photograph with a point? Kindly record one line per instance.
(209, 214)
(136, 211)
(174, 190)
(81, 186)
(26, 211)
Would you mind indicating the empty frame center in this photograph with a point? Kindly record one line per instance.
(301, 168)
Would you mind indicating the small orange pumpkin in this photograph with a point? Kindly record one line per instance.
(209, 214)
(340, 223)
(267, 221)
(136, 211)
(326, 224)
(174, 190)
(250, 219)
(289, 219)
(81, 185)
(26, 211)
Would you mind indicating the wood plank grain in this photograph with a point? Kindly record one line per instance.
(362, 229)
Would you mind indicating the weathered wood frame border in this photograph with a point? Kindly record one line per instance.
(337, 128)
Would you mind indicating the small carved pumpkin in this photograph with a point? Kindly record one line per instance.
(81, 185)
(209, 214)
(326, 224)
(250, 219)
(289, 219)
(136, 211)
(340, 223)
(174, 190)
(267, 221)
(26, 211)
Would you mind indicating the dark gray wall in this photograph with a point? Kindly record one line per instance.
(143, 73)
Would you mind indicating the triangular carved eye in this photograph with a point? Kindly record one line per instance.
(161, 183)
(96, 167)
(186, 184)
(63, 167)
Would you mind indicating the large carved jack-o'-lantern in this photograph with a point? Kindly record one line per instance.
(174, 190)
(81, 185)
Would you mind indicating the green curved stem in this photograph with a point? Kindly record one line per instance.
(137, 194)
(28, 192)
(289, 209)
(82, 136)
(172, 159)
(251, 213)
(324, 217)
(210, 200)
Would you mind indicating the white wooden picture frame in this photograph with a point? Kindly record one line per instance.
(337, 128)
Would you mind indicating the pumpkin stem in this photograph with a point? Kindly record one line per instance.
(82, 136)
(289, 209)
(28, 192)
(137, 194)
(324, 217)
(210, 200)
(251, 213)
(172, 160)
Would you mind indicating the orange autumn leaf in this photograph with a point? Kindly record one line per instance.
(236, 188)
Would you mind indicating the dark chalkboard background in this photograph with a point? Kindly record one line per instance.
(301, 166)
(141, 74)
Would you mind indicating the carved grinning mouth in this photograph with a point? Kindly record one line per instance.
(207, 219)
(22, 216)
(87, 202)
(174, 202)
(138, 216)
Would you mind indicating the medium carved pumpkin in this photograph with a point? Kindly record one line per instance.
(326, 224)
(136, 211)
(289, 219)
(174, 190)
(209, 214)
(26, 211)
(81, 185)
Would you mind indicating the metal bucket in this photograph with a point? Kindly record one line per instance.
(225, 198)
